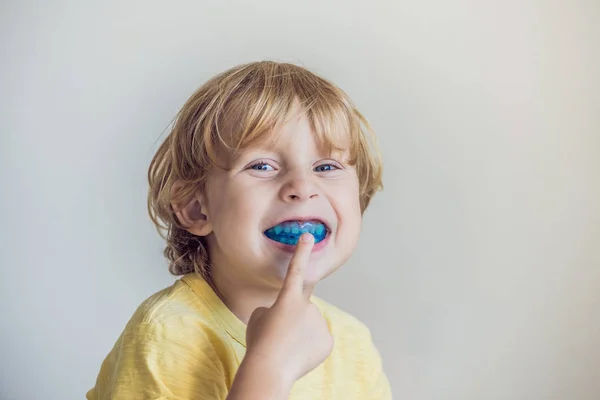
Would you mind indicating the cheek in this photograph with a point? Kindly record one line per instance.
(355, 219)
(348, 208)
(352, 198)
(237, 211)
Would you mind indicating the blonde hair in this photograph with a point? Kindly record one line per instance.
(231, 111)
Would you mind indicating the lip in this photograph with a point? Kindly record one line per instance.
(302, 219)
(290, 248)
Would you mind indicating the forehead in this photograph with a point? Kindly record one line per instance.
(297, 133)
(279, 123)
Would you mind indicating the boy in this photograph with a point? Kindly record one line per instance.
(260, 187)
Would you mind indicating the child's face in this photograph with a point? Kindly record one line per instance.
(268, 184)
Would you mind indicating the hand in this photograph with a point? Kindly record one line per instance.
(290, 338)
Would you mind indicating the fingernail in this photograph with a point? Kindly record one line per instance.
(306, 237)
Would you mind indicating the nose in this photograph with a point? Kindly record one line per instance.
(299, 188)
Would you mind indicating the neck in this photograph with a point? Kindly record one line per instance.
(241, 297)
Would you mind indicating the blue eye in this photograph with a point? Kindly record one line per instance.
(261, 166)
(325, 168)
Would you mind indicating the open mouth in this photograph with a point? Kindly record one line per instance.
(288, 232)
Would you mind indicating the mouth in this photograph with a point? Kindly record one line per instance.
(289, 232)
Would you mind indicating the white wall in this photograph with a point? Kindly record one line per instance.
(479, 267)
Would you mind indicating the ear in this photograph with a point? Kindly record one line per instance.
(192, 214)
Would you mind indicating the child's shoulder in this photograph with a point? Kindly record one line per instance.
(171, 341)
(176, 307)
(355, 353)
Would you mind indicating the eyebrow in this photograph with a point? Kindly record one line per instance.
(236, 157)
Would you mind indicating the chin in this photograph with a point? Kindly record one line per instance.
(317, 272)
(313, 273)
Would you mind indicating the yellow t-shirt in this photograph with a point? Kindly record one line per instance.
(184, 343)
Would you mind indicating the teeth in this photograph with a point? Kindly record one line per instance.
(288, 232)
(319, 229)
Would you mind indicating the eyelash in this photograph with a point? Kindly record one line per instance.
(259, 163)
(328, 165)
(256, 164)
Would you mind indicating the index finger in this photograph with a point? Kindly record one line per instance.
(294, 279)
